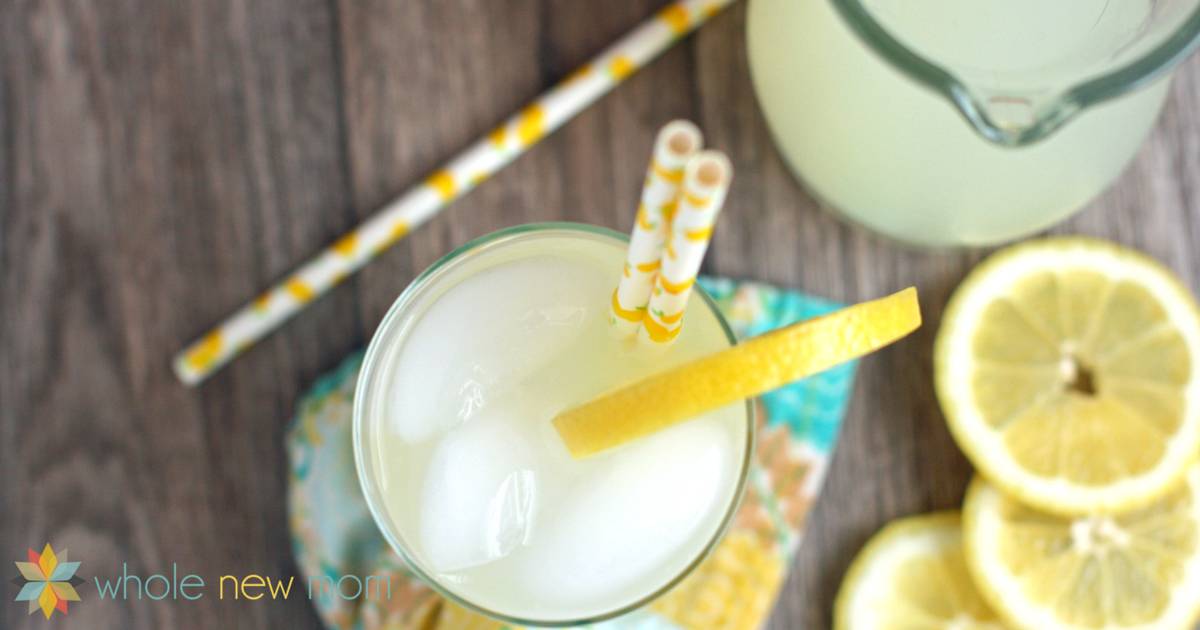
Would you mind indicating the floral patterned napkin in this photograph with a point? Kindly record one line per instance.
(333, 534)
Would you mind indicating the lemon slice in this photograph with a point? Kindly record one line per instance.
(1066, 370)
(743, 371)
(913, 574)
(1138, 570)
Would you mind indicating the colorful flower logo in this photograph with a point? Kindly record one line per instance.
(49, 581)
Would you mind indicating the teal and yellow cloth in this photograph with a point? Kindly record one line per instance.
(333, 534)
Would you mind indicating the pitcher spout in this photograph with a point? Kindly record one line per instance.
(1013, 119)
(1018, 71)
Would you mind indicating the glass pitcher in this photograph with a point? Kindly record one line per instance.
(963, 122)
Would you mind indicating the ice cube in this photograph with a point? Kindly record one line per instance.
(480, 494)
(630, 517)
(509, 521)
(457, 356)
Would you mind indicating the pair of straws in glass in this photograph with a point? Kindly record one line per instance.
(684, 190)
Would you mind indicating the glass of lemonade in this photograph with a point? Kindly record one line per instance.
(963, 122)
(467, 478)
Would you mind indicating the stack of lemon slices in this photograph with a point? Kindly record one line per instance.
(1067, 371)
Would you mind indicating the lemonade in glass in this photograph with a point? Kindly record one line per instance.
(464, 472)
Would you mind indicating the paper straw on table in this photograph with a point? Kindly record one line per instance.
(705, 183)
(675, 143)
(479, 161)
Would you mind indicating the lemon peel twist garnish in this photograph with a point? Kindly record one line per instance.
(758, 365)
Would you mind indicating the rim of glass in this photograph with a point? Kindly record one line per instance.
(1120, 80)
(389, 326)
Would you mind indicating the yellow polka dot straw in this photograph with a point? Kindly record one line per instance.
(675, 143)
(705, 182)
(478, 162)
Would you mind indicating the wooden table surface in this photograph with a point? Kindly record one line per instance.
(161, 162)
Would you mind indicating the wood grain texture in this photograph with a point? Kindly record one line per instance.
(161, 162)
(164, 160)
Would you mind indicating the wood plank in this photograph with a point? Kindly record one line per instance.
(462, 67)
(164, 161)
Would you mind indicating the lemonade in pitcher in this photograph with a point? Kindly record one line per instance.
(963, 122)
